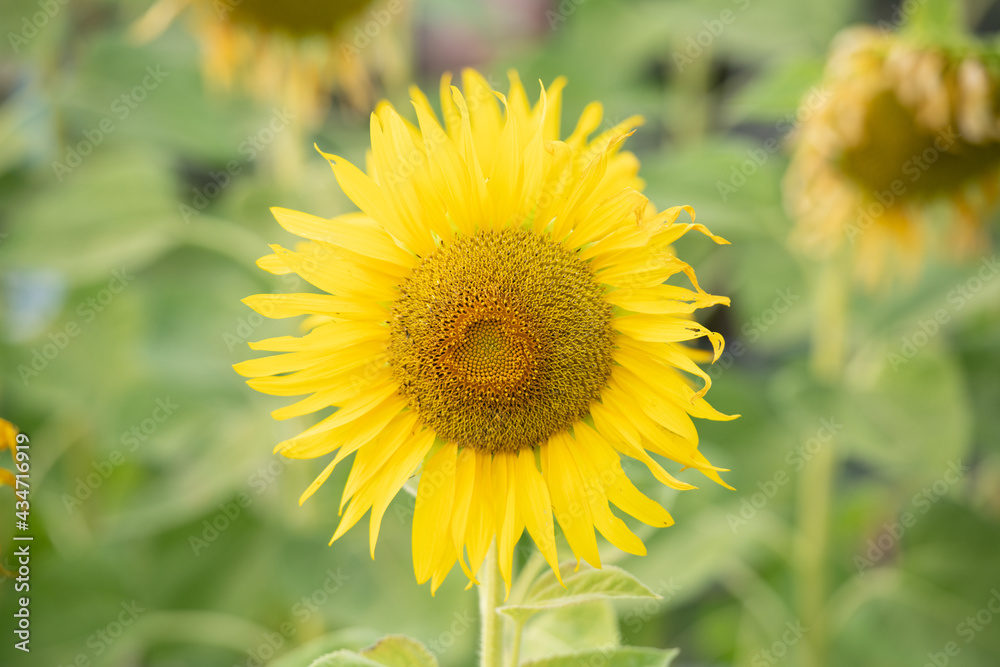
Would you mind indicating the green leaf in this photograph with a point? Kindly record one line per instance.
(578, 628)
(624, 656)
(321, 646)
(776, 95)
(344, 659)
(400, 651)
(391, 651)
(936, 21)
(585, 585)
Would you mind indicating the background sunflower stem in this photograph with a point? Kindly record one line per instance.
(491, 630)
(830, 324)
(814, 489)
(828, 356)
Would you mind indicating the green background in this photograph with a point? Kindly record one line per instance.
(122, 521)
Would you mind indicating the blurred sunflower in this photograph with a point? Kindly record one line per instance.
(905, 127)
(294, 53)
(495, 313)
(8, 440)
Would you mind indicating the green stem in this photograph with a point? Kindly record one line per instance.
(810, 553)
(515, 651)
(829, 334)
(828, 354)
(490, 592)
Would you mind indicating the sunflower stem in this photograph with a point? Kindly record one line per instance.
(491, 630)
(829, 332)
(828, 354)
(814, 490)
(515, 651)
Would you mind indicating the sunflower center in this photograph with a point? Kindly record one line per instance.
(501, 339)
(297, 18)
(899, 157)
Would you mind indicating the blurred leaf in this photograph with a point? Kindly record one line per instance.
(113, 210)
(625, 656)
(585, 585)
(777, 94)
(937, 22)
(912, 418)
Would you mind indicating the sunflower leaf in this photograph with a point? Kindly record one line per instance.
(622, 656)
(344, 658)
(390, 651)
(584, 585)
(400, 651)
(582, 627)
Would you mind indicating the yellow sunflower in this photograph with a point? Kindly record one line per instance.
(906, 129)
(296, 52)
(8, 440)
(495, 315)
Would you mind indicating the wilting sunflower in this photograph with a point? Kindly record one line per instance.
(905, 131)
(295, 52)
(496, 315)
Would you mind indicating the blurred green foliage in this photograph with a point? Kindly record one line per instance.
(166, 533)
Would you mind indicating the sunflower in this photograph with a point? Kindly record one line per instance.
(906, 129)
(495, 315)
(8, 440)
(296, 52)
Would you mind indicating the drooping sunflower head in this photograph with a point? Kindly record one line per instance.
(495, 317)
(296, 52)
(901, 127)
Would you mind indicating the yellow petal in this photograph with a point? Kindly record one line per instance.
(535, 507)
(277, 306)
(322, 439)
(569, 497)
(663, 329)
(465, 487)
(481, 526)
(618, 487)
(349, 231)
(435, 497)
(399, 431)
(400, 467)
